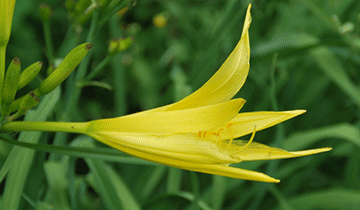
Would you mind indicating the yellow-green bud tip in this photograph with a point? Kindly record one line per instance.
(44, 11)
(16, 61)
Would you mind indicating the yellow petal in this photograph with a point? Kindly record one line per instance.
(185, 147)
(231, 172)
(215, 169)
(257, 151)
(227, 81)
(184, 121)
(244, 123)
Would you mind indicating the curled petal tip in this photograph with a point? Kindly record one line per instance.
(247, 20)
(311, 151)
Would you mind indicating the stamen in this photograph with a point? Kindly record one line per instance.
(231, 135)
(249, 142)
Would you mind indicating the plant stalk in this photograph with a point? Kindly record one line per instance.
(69, 127)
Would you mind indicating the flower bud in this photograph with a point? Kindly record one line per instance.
(113, 46)
(68, 65)
(86, 14)
(11, 81)
(124, 44)
(160, 20)
(10, 86)
(29, 74)
(103, 3)
(29, 101)
(122, 11)
(44, 11)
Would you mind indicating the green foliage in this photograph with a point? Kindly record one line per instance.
(304, 55)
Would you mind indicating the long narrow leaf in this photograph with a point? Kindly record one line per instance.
(22, 159)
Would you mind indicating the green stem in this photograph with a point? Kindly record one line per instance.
(76, 91)
(119, 71)
(98, 68)
(48, 40)
(274, 103)
(69, 127)
(2, 69)
(110, 13)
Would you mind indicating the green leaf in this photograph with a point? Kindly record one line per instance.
(107, 154)
(332, 68)
(20, 159)
(58, 182)
(284, 42)
(327, 199)
(304, 139)
(108, 184)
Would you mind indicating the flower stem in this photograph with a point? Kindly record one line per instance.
(48, 40)
(76, 91)
(98, 68)
(69, 127)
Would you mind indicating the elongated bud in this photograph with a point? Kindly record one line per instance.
(86, 14)
(122, 11)
(6, 16)
(11, 81)
(10, 86)
(68, 65)
(27, 102)
(29, 74)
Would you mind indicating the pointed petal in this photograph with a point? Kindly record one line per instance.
(187, 147)
(227, 81)
(244, 123)
(257, 151)
(215, 169)
(184, 121)
(231, 172)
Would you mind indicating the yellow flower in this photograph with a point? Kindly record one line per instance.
(198, 133)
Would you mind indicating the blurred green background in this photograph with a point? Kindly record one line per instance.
(304, 55)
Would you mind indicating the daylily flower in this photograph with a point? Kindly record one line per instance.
(197, 133)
